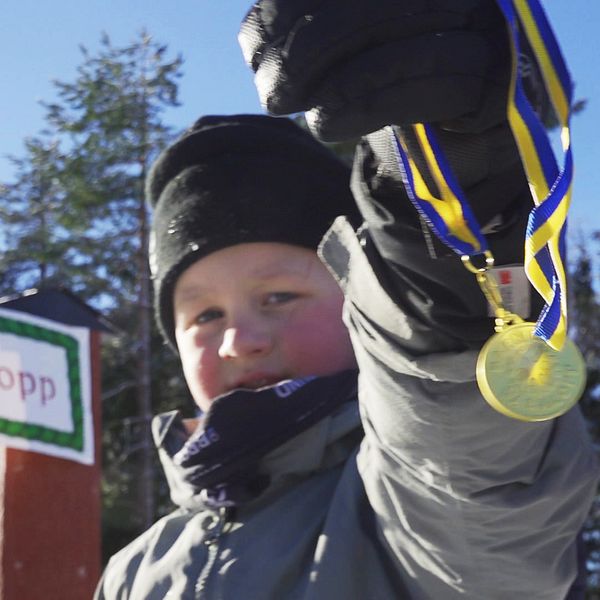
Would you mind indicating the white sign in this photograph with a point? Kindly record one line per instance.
(45, 387)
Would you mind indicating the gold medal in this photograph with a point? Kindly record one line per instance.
(522, 377)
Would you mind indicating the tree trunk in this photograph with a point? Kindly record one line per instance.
(145, 487)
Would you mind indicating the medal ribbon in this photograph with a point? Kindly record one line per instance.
(450, 216)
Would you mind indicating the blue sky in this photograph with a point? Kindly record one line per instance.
(39, 41)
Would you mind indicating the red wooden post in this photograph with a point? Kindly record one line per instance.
(50, 517)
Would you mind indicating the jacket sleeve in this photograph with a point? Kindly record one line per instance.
(473, 504)
(469, 503)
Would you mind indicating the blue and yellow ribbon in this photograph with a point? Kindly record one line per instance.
(449, 214)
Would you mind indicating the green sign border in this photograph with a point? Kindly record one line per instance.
(41, 433)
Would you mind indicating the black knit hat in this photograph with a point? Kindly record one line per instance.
(236, 179)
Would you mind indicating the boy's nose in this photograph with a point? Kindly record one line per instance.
(243, 341)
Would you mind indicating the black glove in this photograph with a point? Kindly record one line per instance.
(356, 66)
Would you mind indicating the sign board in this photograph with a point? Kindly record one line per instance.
(45, 387)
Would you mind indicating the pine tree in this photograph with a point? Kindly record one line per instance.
(585, 330)
(585, 326)
(35, 254)
(110, 121)
(75, 215)
(111, 117)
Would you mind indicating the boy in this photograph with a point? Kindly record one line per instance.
(280, 495)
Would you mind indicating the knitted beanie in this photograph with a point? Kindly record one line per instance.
(237, 179)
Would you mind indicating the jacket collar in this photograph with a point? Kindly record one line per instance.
(234, 456)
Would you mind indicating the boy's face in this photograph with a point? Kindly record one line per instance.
(251, 315)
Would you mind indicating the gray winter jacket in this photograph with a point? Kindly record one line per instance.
(443, 498)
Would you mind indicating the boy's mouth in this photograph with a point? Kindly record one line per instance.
(257, 381)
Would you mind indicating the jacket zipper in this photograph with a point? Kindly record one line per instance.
(214, 531)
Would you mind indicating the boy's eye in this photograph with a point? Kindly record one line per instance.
(280, 297)
(208, 315)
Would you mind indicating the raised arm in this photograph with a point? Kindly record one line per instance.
(469, 502)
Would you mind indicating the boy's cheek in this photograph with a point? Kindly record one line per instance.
(319, 342)
(201, 373)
